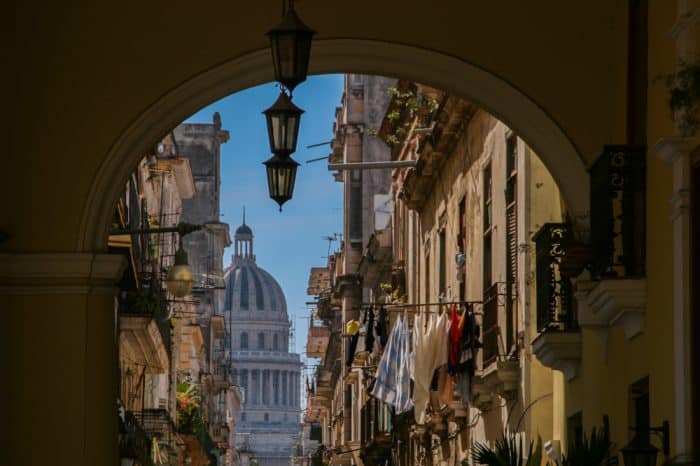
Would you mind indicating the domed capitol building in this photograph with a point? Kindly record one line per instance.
(258, 324)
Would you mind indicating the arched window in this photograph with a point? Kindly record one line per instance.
(275, 342)
(261, 341)
(244, 340)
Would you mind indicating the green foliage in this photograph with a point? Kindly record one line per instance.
(143, 302)
(593, 451)
(408, 106)
(190, 418)
(508, 451)
(684, 94)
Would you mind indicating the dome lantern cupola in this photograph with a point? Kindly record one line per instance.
(243, 242)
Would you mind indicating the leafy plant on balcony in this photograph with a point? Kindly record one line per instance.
(190, 418)
(143, 302)
(684, 94)
(508, 451)
(406, 106)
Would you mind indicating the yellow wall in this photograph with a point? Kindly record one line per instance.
(81, 74)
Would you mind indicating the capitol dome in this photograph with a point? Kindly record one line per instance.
(262, 362)
(251, 292)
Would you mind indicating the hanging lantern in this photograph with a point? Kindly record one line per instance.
(283, 125)
(290, 42)
(281, 174)
(639, 452)
(180, 276)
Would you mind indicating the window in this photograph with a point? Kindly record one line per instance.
(355, 211)
(244, 340)
(442, 251)
(261, 341)
(243, 417)
(427, 272)
(462, 243)
(244, 385)
(267, 417)
(275, 342)
(637, 76)
(487, 213)
(511, 246)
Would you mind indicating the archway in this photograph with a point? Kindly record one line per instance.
(487, 90)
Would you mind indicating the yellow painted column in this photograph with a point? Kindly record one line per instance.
(58, 358)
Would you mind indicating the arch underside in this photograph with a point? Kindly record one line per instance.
(518, 111)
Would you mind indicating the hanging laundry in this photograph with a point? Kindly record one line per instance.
(404, 402)
(369, 329)
(381, 330)
(469, 344)
(385, 384)
(454, 342)
(430, 336)
(352, 347)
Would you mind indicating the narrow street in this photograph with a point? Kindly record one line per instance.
(311, 233)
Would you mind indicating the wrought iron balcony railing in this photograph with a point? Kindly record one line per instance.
(501, 296)
(555, 309)
(618, 212)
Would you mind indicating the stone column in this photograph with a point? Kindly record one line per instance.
(59, 309)
(249, 387)
(677, 152)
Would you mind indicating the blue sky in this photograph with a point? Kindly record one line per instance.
(288, 243)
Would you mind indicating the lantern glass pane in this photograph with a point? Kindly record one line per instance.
(287, 57)
(292, 127)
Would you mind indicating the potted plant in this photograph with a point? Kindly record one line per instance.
(508, 451)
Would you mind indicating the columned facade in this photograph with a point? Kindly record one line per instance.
(256, 313)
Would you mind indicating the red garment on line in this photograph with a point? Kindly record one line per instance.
(455, 335)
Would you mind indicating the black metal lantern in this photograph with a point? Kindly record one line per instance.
(639, 452)
(283, 125)
(281, 174)
(290, 42)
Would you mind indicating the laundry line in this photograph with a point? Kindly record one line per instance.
(398, 307)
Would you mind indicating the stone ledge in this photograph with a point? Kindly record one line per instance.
(560, 351)
(60, 273)
(616, 302)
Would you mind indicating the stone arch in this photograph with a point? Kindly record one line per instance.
(452, 74)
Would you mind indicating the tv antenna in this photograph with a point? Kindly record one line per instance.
(331, 239)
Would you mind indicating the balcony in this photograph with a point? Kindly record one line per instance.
(221, 377)
(156, 423)
(558, 345)
(141, 342)
(317, 340)
(616, 296)
(375, 431)
(375, 265)
(499, 300)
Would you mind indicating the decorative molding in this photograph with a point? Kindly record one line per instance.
(616, 302)
(670, 149)
(678, 152)
(560, 351)
(493, 93)
(60, 273)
